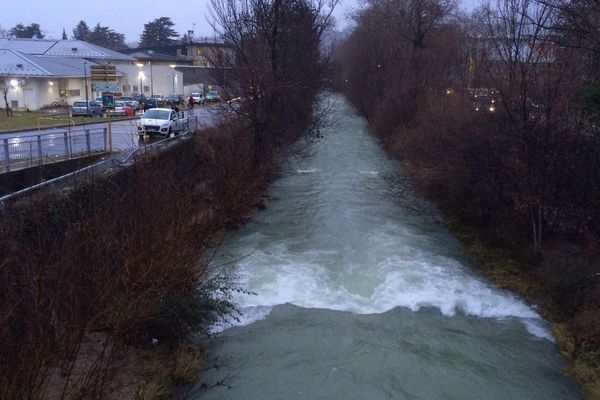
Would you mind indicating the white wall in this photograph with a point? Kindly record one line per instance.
(157, 78)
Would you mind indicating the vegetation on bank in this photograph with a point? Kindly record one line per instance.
(102, 285)
(495, 117)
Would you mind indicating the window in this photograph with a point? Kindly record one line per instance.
(73, 93)
(135, 88)
(146, 88)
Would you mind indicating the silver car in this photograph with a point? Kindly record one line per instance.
(91, 109)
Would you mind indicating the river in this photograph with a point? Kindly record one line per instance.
(360, 293)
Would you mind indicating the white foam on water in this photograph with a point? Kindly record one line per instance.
(414, 283)
(370, 172)
(307, 171)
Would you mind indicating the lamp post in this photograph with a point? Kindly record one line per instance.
(141, 75)
(173, 70)
(87, 103)
(151, 80)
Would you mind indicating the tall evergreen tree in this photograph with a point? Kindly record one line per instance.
(81, 31)
(64, 35)
(106, 37)
(29, 31)
(158, 33)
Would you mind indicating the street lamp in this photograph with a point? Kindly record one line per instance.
(173, 69)
(141, 75)
(151, 80)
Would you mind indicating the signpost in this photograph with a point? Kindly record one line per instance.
(103, 73)
(112, 87)
(104, 79)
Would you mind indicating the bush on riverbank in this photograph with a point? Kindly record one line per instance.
(517, 160)
(120, 257)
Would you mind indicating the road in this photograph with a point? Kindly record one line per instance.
(124, 135)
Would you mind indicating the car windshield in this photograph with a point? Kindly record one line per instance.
(157, 114)
(79, 104)
(119, 104)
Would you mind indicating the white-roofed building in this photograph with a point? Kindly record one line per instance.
(41, 71)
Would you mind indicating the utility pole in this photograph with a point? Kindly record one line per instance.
(173, 70)
(87, 104)
(151, 81)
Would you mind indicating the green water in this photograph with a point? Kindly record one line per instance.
(360, 293)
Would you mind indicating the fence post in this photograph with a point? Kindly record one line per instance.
(39, 146)
(87, 141)
(6, 156)
(66, 138)
(105, 133)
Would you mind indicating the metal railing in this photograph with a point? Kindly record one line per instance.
(27, 151)
(109, 166)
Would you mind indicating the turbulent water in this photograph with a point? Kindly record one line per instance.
(360, 293)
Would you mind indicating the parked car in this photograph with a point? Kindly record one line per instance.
(121, 109)
(198, 98)
(90, 109)
(213, 96)
(150, 103)
(161, 121)
(139, 97)
(130, 101)
(160, 100)
(176, 99)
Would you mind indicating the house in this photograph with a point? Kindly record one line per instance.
(198, 61)
(42, 71)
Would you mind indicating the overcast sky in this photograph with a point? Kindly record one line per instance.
(123, 16)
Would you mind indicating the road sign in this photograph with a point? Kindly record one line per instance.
(103, 73)
(108, 101)
(105, 87)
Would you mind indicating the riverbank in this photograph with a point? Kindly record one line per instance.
(506, 269)
(122, 257)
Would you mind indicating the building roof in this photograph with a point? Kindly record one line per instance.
(53, 58)
(62, 48)
(150, 55)
(15, 63)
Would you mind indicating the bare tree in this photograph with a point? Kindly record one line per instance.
(6, 84)
(273, 60)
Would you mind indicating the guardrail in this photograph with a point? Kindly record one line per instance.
(27, 151)
(107, 165)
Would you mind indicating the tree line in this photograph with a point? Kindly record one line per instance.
(158, 32)
(496, 115)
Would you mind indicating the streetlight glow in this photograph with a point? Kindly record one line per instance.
(173, 70)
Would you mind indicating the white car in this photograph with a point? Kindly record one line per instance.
(198, 98)
(162, 121)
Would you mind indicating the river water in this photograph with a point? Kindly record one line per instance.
(360, 293)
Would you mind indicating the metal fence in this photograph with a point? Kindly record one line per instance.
(27, 151)
(192, 123)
